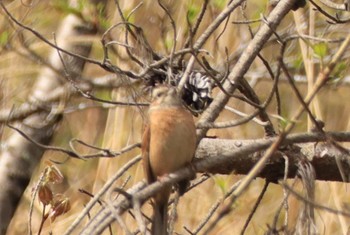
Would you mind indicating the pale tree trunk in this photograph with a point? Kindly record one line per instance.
(20, 157)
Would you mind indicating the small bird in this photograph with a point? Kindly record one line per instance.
(168, 143)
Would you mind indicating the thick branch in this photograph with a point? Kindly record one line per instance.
(239, 156)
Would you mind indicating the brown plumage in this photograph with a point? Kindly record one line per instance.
(168, 143)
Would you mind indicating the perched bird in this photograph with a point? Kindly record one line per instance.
(168, 143)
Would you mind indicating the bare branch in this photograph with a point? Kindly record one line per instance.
(214, 208)
(258, 201)
(242, 65)
(230, 156)
(316, 205)
(205, 35)
(103, 190)
(323, 12)
(336, 6)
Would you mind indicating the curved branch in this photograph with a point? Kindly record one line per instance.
(336, 6)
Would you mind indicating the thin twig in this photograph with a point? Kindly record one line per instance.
(321, 80)
(299, 96)
(263, 60)
(244, 62)
(106, 66)
(204, 37)
(285, 194)
(74, 154)
(326, 14)
(257, 203)
(46, 147)
(284, 204)
(213, 209)
(194, 29)
(233, 123)
(173, 212)
(246, 21)
(173, 25)
(313, 204)
(103, 218)
(239, 113)
(99, 194)
(31, 207)
(333, 5)
(139, 217)
(106, 152)
(228, 124)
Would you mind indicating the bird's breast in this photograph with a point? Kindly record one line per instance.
(173, 140)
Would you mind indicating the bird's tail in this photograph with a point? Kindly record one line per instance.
(160, 219)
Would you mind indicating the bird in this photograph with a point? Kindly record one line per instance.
(168, 144)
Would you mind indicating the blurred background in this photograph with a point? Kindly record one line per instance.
(115, 127)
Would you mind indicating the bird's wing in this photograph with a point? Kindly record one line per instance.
(145, 155)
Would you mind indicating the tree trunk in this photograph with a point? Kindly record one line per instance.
(20, 157)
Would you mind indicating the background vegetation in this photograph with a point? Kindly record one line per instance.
(313, 39)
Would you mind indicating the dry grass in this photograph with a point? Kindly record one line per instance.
(121, 126)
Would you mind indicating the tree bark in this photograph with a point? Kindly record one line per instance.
(225, 156)
(19, 157)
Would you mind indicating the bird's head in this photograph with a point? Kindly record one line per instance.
(165, 96)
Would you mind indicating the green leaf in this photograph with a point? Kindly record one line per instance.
(339, 72)
(169, 43)
(219, 181)
(220, 4)
(129, 17)
(320, 49)
(64, 7)
(340, 68)
(4, 37)
(298, 63)
(103, 21)
(192, 12)
(104, 94)
(283, 122)
(82, 4)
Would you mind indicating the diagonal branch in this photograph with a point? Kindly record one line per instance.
(244, 62)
